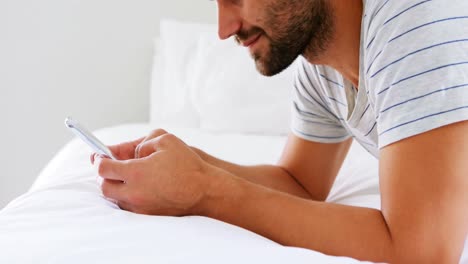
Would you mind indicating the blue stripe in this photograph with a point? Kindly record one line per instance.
(323, 137)
(315, 102)
(372, 129)
(380, 9)
(422, 73)
(334, 82)
(302, 96)
(370, 43)
(422, 96)
(376, 13)
(366, 143)
(406, 10)
(311, 84)
(310, 95)
(340, 103)
(422, 118)
(372, 63)
(427, 24)
(319, 123)
(307, 113)
(411, 30)
(417, 51)
(365, 111)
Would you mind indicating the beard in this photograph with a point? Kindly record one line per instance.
(295, 27)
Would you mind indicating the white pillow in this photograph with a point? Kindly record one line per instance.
(175, 52)
(231, 95)
(201, 81)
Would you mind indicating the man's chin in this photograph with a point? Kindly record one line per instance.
(267, 65)
(265, 69)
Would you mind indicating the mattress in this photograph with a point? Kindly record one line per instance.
(64, 218)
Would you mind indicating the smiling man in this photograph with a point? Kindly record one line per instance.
(391, 74)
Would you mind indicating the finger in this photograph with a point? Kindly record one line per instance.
(126, 150)
(165, 142)
(113, 189)
(154, 134)
(153, 145)
(94, 156)
(114, 169)
(145, 149)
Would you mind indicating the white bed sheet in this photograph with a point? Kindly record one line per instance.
(64, 218)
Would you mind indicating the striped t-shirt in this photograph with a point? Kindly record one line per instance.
(413, 77)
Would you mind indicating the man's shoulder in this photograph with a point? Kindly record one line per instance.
(384, 13)
(406, 33)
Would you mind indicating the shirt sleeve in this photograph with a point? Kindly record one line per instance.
(312, 119)
(418, 72)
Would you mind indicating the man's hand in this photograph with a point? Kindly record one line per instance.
(133, 149)
(157, 175)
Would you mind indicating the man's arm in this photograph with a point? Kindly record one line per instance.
(306, 169)
(424, 217)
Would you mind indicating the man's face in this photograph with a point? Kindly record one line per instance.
(277, 31)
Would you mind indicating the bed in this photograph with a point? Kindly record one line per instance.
(199, 97)
(64, 218)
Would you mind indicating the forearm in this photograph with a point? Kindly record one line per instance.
(329, 228)
(270, 176)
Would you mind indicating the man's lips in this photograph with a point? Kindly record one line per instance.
(251, 41)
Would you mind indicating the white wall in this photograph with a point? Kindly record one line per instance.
(86, 58)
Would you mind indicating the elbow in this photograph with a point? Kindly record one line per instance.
(318, 194)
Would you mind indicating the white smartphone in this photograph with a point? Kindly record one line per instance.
(88, 138)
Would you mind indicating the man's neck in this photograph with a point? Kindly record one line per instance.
(343, 52)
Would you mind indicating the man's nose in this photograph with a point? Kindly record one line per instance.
(229, 21)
